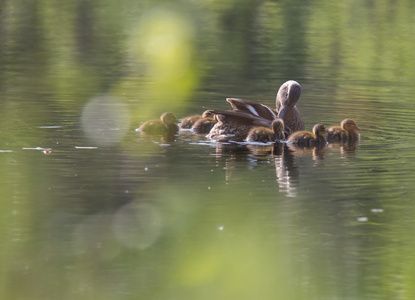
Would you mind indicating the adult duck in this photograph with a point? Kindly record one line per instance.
(246, 113)
(309, 139)
(166, 125)
(265, 134)
(347, 131)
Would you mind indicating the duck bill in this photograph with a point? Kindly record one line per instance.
(283, 111)
(358, 128)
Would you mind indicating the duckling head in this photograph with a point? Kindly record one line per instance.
(208, 114)
(319, 130)
(278, 129)
(287, 96)
(169, 118)
(349, 125)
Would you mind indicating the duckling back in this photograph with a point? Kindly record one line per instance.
(167, 124)
(309, 139)
(260, 134)
(189, 121)
(302, 138)
(336, 134)
(204, 125)
(347, 131)
(153, 127)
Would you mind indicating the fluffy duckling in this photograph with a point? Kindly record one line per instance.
(265, 135)
(166, 125)
(347, 131)
(205, 124)
(309, 139)
(188, 122)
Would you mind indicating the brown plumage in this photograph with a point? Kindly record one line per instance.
(347, 131)
(247, 114)
(265, 134)
(204, 125)
(234, 125)
(188, 122)
(167, 124)
(309, 139)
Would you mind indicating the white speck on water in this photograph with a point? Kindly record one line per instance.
(86, 148)
(208, 187)
(362, 219)
(220, 228)
(377, 210)
(145, 169)
(50, 127)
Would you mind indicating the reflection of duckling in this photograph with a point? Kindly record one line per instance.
(167, 124)
(205, 124)
(347, 131)
(265, 135)
(308, 139)
(189, 121)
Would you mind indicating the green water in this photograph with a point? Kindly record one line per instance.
(90, 209)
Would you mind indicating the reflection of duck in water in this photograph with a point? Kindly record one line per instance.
(309, 139)
(347, 131)
(204, 124)
(247, 114)
(166, 125)
(287, 172)
(318, 153)
(265, 135)
(188, 122)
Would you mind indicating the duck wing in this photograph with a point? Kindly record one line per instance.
(240, 117)
(253, 108)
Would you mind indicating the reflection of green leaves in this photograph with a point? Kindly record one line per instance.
(161, 49)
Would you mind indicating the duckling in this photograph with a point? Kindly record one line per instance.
(347, 131)
(189, 121)
(308, 139)
(167, 124)
(205, 124)
(265, 135)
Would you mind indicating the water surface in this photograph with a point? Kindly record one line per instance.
(93, 209)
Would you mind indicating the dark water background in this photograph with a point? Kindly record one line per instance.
(100, 212)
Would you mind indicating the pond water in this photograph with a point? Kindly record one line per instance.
(90, 208)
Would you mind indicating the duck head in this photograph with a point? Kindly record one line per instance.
(208, 114)
(278, 129)
(349, 125)
(169, 118)
(287, 97)
(319, 130)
